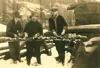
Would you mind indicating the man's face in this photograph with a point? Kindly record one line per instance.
(54, 13)
(34, 18)
(17, 19)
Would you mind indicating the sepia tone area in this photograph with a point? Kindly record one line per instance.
(50, 33)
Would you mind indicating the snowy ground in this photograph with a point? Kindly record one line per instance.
(47, 62)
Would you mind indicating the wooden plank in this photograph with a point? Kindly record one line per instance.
(3, 48)
(23, 51)
(2, 34)
(84, 29)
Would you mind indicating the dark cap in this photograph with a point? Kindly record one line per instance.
(16, 14)
(33, 14)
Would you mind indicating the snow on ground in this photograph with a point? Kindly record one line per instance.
(47, 61)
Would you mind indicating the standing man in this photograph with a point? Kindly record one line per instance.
(33, 29)
(14, 30)
(58, 26)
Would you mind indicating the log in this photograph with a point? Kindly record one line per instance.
(84, 29)
(3, 53)
(7, 55)
(2, 34)
(23, 51)
(42, 48)
(3, 48)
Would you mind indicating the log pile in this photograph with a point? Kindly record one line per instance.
(84, 29)
(47, 41)
(4, 48)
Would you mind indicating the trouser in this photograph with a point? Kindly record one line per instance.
(33, 46)
(60, 47)
(14, 49)
(45, 47)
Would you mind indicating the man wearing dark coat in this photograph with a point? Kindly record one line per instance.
(14, 30)
(33, 29)
(58, 26)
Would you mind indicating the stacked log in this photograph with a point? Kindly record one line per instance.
(4, 47)
(45, 42)
(84, 29)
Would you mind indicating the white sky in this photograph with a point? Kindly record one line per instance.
(98, 0)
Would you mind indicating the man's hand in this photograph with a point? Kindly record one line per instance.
(88, 43)
(15, 36)
(26, 35)
(20, 35)
(36, 35)
(55, 34)
(63, 32)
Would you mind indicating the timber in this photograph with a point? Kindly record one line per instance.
(48, 43)
(84, 29)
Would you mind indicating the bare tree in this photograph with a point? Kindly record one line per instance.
(4, 10)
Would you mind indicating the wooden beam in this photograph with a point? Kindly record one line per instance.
(84, 29)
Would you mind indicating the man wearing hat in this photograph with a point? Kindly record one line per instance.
(33, 29)
(58, 26)
(14, 30)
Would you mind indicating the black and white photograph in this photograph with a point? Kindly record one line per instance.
(50, 33)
